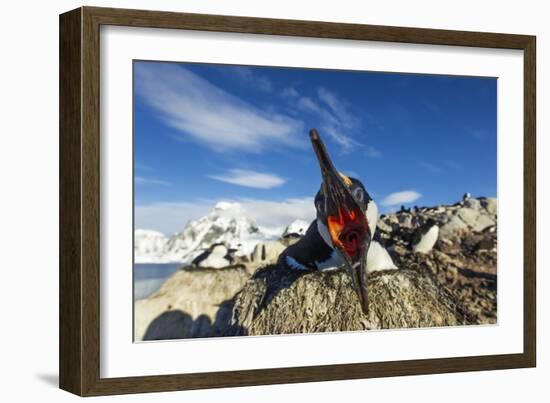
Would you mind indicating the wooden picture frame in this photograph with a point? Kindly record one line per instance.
(80, 199)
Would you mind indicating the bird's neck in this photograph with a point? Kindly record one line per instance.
(325, 235)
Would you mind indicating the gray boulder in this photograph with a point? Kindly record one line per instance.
(482, 223)
(472, 203)
(468, 215)
(267, 252)
(490, 204)
(454, 225)
(193, 302)
(474, 218)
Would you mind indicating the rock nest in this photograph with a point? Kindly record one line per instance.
(277, 301)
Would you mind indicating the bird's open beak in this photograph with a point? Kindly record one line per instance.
(347, 224)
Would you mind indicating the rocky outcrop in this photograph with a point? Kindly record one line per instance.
(464, 257)
(466, 265)
(445, 277)
(469, 215)
(278, 301)
(193, 302)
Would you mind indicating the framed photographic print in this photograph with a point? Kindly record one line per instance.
(250, 201)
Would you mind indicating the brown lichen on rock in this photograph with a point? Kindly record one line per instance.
(277, 301)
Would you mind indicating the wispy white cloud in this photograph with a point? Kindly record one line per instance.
(271, 216)
(334, 118)
(142, 180)
(339, 107)
(253, 79)
(209, 115)
(252, 179)
(346, 142)
(289, 92)
(405, 196)
(372, 152)
(309, 105)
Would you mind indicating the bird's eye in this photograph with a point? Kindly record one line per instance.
(358, 194)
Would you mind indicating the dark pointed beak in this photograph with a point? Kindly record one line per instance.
(346, 221)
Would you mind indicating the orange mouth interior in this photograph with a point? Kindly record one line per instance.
(348, 231)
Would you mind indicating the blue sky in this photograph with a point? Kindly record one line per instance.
(205, 133)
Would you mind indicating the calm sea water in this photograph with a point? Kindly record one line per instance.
(148, 277)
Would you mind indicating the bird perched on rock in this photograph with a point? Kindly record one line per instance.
(425, 237)
(342, 234)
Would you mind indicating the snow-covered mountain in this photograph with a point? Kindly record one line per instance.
(296, 227)
(149, 246)
(227, 223)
